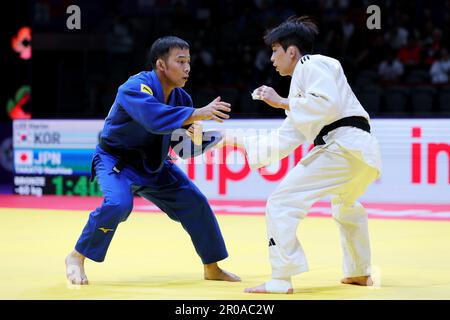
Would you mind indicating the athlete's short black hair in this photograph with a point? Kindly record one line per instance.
(297, 31)
(161, 47)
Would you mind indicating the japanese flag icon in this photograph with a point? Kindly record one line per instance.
(23, 157)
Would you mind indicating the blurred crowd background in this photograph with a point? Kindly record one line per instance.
(400, 70)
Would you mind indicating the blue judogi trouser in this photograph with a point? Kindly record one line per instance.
(170, 189)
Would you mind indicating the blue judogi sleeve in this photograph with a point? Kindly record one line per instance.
(145, 109)
(182, 144)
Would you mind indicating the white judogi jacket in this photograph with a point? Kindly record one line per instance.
(319, 95)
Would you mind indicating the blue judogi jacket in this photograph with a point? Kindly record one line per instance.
(136, 138)
(140, 120)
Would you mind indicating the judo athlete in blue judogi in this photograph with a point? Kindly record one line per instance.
(132, 159)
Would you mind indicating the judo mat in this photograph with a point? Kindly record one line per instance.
(151, 256)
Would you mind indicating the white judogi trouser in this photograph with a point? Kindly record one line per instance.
(330, 171)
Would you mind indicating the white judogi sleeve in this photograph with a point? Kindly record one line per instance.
(265, 149)
(313, 97)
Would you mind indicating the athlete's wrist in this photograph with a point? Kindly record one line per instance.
(283, 103)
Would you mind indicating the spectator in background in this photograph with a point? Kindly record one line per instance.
(440, 69)
(410, 55)
(218, 24)
(432, 46)
(262, 59)
(348, 28)
(119, 37)
(390, 69)
(369, 56)
(397, 37)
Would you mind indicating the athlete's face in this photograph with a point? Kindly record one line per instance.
(176, 67)
(283, 60)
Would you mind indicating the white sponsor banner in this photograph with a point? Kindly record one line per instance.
(415, 155)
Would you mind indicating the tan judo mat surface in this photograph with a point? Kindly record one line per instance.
(151, 257)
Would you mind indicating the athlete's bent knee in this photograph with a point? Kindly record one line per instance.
(121, 209)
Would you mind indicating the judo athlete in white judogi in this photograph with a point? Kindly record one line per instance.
(321, 109)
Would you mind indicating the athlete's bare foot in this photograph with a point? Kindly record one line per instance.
(75, 268)
(359, 281)
(269, 287)
(213, 272)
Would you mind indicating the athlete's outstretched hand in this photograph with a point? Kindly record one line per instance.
(271, 97)
(216, 110)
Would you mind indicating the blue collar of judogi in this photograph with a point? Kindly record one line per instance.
(158, 91)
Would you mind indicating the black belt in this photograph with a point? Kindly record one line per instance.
(125, 156)
(357, 122)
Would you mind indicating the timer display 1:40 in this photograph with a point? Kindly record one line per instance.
(75, 185)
